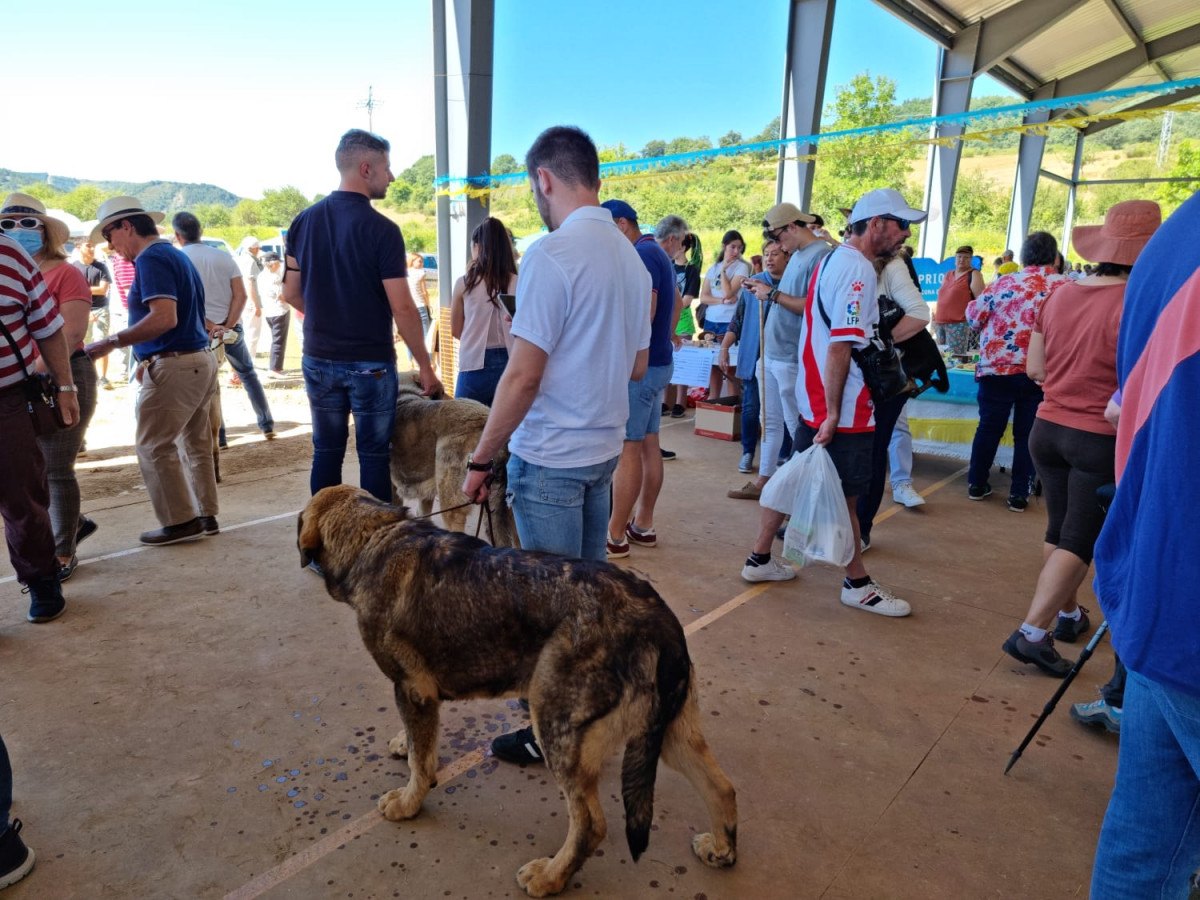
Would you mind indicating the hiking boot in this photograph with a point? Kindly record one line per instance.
(677, 411)
(46, 601)
(748, 491)
(86, 528)
(1098, 713)
(746, 465)
(617, 549)
(209, 524)
(519, 747)
(173, 534)
(978, 491)
(16, 860)
(875, 598)
(772, 570)
(1070, 630)
(1018, 504)
(905, 495)
(1041, 654)
(639, 537)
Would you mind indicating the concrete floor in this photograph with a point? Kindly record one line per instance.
(204, 722)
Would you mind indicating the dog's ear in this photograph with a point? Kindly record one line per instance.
(308, 535)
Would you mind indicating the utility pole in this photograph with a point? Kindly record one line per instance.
(369, 105)
(1164, 138)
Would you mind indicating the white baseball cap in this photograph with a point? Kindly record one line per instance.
(885, 202)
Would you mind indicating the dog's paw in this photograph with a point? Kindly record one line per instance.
(399, 804)
(532, 877)
(398, 746)
(705, 847)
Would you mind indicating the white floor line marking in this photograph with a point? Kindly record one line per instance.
(132, 550)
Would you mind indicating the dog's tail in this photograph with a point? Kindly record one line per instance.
(640, 765)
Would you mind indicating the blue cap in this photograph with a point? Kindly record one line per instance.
(620, 210)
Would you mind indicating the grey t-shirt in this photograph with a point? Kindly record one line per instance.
(781, 336)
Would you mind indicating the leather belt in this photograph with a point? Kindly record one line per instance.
(170, 354)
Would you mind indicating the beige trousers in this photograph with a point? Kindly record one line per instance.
(174, 446)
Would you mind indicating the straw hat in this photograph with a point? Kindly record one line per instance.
(1126, 229)
(114, 209)
(18, 206)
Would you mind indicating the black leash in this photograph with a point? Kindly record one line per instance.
(478, 522)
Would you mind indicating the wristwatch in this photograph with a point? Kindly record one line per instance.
(473, 466)
(115, 339)
(66, 389)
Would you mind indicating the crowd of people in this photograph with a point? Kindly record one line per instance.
(1079, 377)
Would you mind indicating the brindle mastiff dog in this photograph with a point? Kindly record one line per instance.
(601, 658)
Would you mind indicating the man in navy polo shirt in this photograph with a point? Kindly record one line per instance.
(177, 372)
(346, 271)
(639, 475)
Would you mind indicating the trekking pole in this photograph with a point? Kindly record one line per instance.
(1062, 688)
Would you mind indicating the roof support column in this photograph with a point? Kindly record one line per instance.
(462, 80)
(810, 24)
(1029, 164)
(956, 76)
(1069, 220)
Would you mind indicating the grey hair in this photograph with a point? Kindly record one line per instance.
(669, 227)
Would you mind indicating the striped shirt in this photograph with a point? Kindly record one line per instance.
(26, 308)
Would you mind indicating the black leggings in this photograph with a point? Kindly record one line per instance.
(1072, 464)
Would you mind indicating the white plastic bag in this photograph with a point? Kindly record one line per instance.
(780, 491)
(820, 529)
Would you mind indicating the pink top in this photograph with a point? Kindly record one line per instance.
(1079, 324)
(66, 283)
(486, 326)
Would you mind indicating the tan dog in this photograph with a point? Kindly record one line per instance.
(430, 444)
(601, 658)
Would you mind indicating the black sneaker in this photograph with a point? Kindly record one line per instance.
(16, 860)
(677, 411)
(1018, 504)
(1041, 654)
(667, 455)
(1070, 630)
(87, 527)
(173, 534)
(666, 410)
(978, 491)
(46, 601)
(209, 524)
(519, 747)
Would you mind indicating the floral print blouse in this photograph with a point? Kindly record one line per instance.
(1004, 315)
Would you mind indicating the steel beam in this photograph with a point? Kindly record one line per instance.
(463, 33)
(956, 75)
(1029, 165)
(1112, 70)
(1152, 103)
(810, 26)
(1013, 26)
(1069, 219)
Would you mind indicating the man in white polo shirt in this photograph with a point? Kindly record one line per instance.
(581, 332)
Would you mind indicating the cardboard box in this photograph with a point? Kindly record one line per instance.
(720, 419)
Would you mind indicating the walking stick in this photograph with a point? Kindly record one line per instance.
(762, 373)
(1053, 701)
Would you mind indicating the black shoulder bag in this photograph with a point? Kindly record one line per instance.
(41, 399)
(880, 362)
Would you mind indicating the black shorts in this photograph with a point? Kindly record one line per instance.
(852, 453)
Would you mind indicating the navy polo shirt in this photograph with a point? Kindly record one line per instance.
(662, 279)
(161, 271)
(345, 251)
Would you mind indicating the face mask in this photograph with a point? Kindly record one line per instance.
(30, 240)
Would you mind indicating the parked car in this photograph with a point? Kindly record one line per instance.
(219, 243)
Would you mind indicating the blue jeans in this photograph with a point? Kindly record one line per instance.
(1150, 843)
(750, 417)
(999, 396)
(480, 384)
(563, 511)
(238, 355)
(335, 391)
(5, 786)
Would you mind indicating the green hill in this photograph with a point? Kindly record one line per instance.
(168, 196)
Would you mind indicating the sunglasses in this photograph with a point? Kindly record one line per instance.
(903, 223)
(107, 232)
(774, 235)
(13, 224)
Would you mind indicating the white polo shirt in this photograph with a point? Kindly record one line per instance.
(584, 298)
(217, 270)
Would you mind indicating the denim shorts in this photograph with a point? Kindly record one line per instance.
(645, 402)
(852, 453)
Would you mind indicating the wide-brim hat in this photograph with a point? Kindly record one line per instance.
(115, 209)
(1126, 229)
(18, 205)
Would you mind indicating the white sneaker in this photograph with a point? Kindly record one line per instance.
(904, 494)
(768, 571)
(873, 598)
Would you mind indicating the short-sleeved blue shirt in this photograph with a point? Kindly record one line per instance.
(662, 277)
(345, 251)
(161, 271)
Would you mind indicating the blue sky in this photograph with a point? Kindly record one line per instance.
(249, 96)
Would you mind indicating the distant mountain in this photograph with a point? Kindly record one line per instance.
(168, 196)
